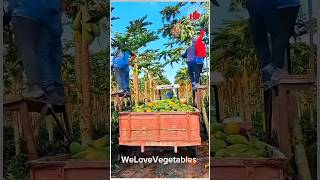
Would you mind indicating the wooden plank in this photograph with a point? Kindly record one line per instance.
(283, 131)
(27, 133)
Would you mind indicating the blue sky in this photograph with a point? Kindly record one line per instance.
(128, 11)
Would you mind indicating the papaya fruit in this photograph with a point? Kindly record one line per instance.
(257, 144)
(220, 135)
(247, 154)
(81, 155)
(76, 148)
(232, 128)
(215, 127)
(96, 30)
(217, 144)
(221, 153)
(76, 24)
(87, 36)
(237, 139)
(100, 143)
(96, 155)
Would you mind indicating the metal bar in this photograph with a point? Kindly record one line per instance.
(67, 123)
(59, 124)
(216, 97)
(268, 113)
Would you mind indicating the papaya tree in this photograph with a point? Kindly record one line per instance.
(182, 78)
(86, 28)
(181, 30)
(151, 67)
(136, 37)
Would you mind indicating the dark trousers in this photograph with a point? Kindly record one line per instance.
(122, 77)
(194, 70)
(279, 25)
(40, 51)
(26, 33)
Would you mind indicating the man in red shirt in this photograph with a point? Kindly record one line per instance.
(200, 56)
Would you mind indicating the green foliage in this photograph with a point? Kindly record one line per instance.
(257, 126)
(94, 150)
(115, 157)
(309, 130)
(167, 105)
(8, 149)
(47, 148)
(181, 30)
(170, 12)
(300, 58)
(137, 36)
(182, 76)
(18, 168)
(172, 55)
(12, 67)
(100, 70)
(233, 47)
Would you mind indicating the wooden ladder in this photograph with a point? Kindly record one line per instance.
(24, 106)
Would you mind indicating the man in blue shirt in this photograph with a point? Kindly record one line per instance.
(120, 64)
(37, 28)
(272, 24)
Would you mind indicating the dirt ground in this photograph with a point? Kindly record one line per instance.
(198, 170)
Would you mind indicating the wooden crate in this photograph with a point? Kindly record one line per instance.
(274, 168)
(63, 168)
(159, 129)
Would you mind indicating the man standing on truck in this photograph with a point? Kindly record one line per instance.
(190, 55)
(272, 24)
(195, 55)
(120, 65)
(201, 53)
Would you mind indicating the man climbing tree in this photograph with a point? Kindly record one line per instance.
(276, 18)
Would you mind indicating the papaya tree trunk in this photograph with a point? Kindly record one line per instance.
(49, 126)
(299, 149)
(16, 128)
(86, 124)
(150, 88)
(136, 83)
(205, 115)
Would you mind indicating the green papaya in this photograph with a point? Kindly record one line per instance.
(237, 139)
(76, 25)
(81, 155)
(96, 155)
(261, 152)
(247, 154)
(76, 148)
(100, 143)
(77, 35)
(215, 127)
(220, 135)
(87, 36)
(96, 29)
(234, 150)
(257, 144)
(217, 144)
(220, 154)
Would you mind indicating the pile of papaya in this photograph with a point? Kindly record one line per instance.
(227, 142)
(93, 150)
(167, 105)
